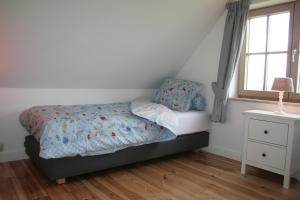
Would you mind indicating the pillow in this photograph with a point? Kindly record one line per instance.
(177, 94)
(198, 103)
(157, 113)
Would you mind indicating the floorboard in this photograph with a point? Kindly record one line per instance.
(185, 176)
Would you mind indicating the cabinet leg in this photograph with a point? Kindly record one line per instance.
(286, 181)
(243, 169)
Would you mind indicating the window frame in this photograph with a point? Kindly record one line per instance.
(268, 95)
(295, 66)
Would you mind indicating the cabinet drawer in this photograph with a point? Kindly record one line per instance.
(266, 155)
(271, 132)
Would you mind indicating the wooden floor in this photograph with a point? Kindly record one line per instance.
(185, 176)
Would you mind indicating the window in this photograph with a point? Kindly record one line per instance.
(271, 49)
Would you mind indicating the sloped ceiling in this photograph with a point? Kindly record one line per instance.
(99, 43)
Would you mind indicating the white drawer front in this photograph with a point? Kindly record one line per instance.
(271, 132)
(266, 155)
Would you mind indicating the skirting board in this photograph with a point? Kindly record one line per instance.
(225, 152)
(228, 153)
(12, 155)
(231, 154)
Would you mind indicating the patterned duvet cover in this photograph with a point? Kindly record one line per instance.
(65, 131)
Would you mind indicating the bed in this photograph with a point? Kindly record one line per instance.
(66, 141)
(60, 168)
(189, 136)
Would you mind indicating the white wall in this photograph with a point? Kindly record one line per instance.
(14, 101)
(107, 44)
(225, 139)
(203, 64)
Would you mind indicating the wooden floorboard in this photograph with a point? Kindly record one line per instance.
(186, 176)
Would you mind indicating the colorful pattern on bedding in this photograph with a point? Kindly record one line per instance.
(177, 94)
(65, 131)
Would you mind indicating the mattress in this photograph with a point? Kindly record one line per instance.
(191, 122)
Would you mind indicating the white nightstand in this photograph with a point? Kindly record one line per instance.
(272, 142)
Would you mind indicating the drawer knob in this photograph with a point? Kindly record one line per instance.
(266, 132)
(264, 155)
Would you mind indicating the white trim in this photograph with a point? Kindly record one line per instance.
(13, 155)
(225, 152)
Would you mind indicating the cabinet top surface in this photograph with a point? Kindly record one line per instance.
(272, 114)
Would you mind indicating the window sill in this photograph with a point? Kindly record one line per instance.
(262, 101)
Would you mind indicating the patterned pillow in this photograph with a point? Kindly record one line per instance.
(177, 94)
(198, 103)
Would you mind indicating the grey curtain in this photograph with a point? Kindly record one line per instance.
(231, 47)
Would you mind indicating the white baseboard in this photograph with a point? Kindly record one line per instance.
(232, 154)
(225, 152)
(12, 155)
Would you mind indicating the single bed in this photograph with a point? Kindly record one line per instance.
(60, 168)
(66, 141)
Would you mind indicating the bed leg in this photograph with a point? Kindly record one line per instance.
(60, 181)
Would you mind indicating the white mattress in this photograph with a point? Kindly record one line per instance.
(192, 122)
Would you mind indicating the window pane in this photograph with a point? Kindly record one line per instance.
(257, 34)
(279, 32)
(276, 67)
(255, 72)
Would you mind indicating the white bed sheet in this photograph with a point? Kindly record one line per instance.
(192, 122)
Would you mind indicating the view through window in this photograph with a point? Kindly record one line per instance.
(271, 50)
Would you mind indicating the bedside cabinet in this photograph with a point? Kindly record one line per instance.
(272, 142)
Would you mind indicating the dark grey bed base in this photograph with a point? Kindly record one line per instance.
(61, 168)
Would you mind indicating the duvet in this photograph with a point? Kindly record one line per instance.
(65, 131)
